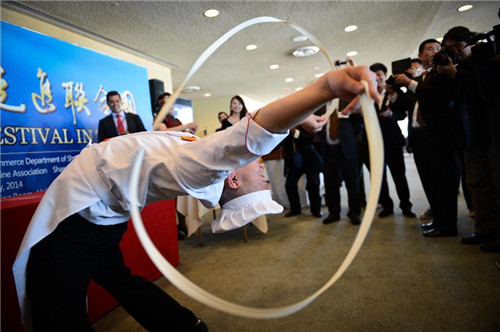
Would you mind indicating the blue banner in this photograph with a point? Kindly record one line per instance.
(52, 96)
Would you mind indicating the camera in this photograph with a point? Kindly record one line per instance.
(392, 81)
(491, 45)
(441, 57)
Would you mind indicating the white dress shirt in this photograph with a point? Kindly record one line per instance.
(96, 183)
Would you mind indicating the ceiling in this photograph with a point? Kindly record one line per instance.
(177, 32)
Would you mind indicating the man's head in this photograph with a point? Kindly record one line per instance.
(426, 51)
(248, 179)
(246, 196)
(114, 101)
(222, 116)
(457, 38)
(416, 64)
(380, 71)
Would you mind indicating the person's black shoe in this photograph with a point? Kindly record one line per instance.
(491, 246)
(291, 214)
(355, 220)
(201, 326)
(385, 213)
(331, 218)
(427, 215)
(317, 214)
(435, 232)
(429, 225)
(409, 213)
(181, 235)
(477, 238)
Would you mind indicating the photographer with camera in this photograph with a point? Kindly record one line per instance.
(471, 129)
(394, 141)
(432, 110)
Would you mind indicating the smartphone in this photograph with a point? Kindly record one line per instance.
(400, 66)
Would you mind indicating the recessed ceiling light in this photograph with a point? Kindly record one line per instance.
(352, 53)
(465, 8)
(350, 28)
(191, 88)
(207, 94)
(274, 66)
(211, 13)
(306, 51)
(319, 75)
(299, 39)
(440, 39)
(289, 80)
(299, 88)
(251, 47)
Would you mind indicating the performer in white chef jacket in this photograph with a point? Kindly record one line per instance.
(75, 233)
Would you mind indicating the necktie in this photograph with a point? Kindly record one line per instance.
(334, 126)
(119, 124)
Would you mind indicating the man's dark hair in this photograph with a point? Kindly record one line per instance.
(416, 60)
(112, 93)
(378, 66)
(457, 34)
(425, 42)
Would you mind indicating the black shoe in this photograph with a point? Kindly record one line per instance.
(181, 235)
(435, 232)
(409, 213)
(331, 218)
(355, 220)
(477, 238)
(291, 214)
(491, 246)
(427, 215)
(385, 213)
(429, 225)
(317, 214)
(201, 326)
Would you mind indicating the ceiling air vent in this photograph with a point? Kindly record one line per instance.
(306, 51)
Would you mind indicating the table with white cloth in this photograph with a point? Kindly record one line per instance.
(192, 209)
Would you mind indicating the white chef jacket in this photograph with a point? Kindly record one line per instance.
(96, 183)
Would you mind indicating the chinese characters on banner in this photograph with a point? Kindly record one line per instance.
(46, 117)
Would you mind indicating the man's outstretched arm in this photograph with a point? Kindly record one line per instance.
(288, 112)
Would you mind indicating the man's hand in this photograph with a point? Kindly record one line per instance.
(402, 79)
(346, 85)
(314, 123)
(385, 114)
(448, 70)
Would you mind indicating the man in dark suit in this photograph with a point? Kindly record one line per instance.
(418, 139)
(472, 124)
(341, 163)
(434, 96)
(393, 146)
(118, 122)
(301, 157)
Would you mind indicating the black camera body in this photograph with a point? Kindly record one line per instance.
(441, 57)
(392, 81)
(489, 48)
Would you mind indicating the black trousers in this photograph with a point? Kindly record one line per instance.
(394, 159)
(62, 264)
(420, 143)
(445, 175)
(311, 165)
(336, 168)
